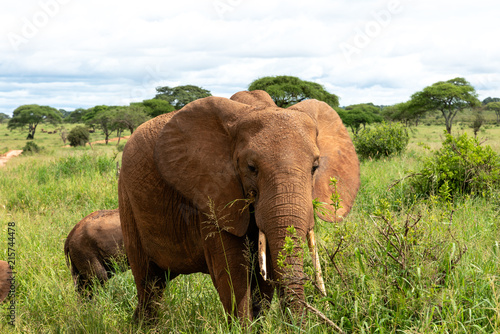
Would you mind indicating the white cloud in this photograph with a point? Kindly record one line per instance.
(78, 54)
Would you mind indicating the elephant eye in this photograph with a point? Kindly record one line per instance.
(252, 168)
(315, 167)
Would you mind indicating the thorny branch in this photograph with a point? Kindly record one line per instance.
(386, 235)
(332, 258)
(461, 251)
(313, 282)
(322, 317)
(395, 183)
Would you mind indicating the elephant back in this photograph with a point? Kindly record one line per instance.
(142, 142)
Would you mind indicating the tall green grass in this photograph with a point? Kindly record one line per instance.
(439, 289)
(440, 277)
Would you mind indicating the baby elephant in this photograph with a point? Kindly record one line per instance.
(94, 247)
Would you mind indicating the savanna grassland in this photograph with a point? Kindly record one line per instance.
(395, 264)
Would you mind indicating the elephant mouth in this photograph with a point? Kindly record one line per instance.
(251, 197)
(311, 242)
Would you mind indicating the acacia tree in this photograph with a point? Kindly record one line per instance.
(360, 114)
(155, 107)
(75, 116)
(287, 90)
(128, 118)
(181, 95)
(101, 117)
(495, 106)
(30, 115)
(404, 112)
(449, 97)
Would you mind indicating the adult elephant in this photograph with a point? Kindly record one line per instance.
(196, 184)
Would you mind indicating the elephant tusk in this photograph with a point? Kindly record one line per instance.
(311, 240)
(262, 255)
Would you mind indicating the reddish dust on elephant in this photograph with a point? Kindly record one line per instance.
(202, 187)
(93, 248)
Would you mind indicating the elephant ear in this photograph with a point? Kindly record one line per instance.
(338, 158)
(193, 155)
(256, 98)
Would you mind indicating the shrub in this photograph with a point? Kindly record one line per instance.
(31, 148)
(460, 166)
(382, 140)
(78, 136)
(477, 122)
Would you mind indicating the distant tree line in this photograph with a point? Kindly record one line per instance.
(445, 97)
(4, 118)
(107, 119)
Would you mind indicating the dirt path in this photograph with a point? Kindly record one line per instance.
(11, 154)
(14, 153)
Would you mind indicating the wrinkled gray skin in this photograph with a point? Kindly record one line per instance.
(5, 280)
(93, 248)
(223, 150)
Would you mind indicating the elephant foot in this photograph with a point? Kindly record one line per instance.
(145, 315)
(150, 294)
(261, 302)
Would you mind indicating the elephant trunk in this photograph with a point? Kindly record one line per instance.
(290, 277)
(276, 212)
(311, 243)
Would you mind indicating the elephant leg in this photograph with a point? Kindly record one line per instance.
(150, 290)
(229, 270)
(83, 276)
(81, 283)
(149, 279)
(99, 270)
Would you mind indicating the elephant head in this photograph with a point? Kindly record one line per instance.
(245, 147)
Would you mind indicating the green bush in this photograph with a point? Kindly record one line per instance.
(31, 148)
(460, 166)
(382, 140)
(78, 136)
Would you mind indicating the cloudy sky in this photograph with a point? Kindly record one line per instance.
(70, 54)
